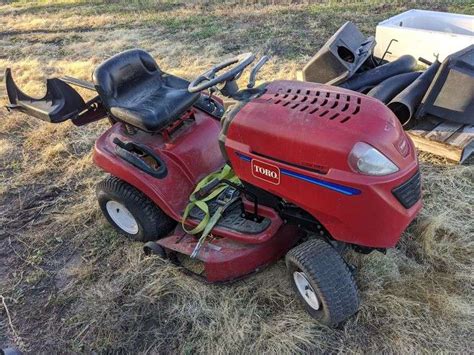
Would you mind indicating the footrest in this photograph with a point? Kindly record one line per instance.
(232, 218)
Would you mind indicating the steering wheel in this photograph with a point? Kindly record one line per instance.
(209, 79)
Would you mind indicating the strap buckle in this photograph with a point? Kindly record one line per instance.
(230, 193)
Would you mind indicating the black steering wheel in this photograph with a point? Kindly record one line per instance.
(209, 79)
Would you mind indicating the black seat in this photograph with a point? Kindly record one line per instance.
(135, 91)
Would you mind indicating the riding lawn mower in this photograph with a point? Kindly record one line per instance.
(294, 169)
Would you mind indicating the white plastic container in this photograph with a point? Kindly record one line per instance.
(424, 34)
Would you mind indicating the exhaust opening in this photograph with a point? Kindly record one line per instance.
(345, 54)
(402, 112)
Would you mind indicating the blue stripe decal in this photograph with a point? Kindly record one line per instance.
(243, 157)
(329, 185)
(346, 190)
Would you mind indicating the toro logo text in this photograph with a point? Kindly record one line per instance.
(264, 171)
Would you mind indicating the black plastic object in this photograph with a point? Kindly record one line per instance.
(365, 89)
(152, 248)
(60, 103)
(134, 90)
(10, 351)
(451, 94)
(404, 105)
(228, 79)
(389, 88)
(409, 192)
(141, 157)
(255, 70)
(372, 77)
(210, 106)
(341, 56)
(79, 82)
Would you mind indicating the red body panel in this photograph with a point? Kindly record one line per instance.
(306, 131)
(192, 154)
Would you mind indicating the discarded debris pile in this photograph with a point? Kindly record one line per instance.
(414, 88)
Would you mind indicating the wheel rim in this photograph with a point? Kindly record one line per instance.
(306, 290)
(122, 217)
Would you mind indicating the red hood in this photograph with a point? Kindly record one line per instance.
(316, 125)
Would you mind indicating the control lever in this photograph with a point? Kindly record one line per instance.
(255, 69)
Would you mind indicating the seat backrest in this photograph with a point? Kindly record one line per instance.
(121, 73)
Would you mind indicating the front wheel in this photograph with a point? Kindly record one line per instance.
(131, 212)
(323, 282)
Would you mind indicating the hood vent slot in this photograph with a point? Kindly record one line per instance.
(337, 107)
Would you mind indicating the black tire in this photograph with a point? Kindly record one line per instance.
(330, 278)
(152, 222)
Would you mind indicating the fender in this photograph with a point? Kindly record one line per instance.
(189, 155)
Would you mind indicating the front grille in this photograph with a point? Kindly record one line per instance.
(409, 192)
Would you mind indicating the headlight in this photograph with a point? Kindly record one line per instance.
(366, 159)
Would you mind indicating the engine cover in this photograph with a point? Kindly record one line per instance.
(294, 141)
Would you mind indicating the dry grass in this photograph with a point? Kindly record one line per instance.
(71, 284)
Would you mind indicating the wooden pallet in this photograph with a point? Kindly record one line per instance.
(453, 141)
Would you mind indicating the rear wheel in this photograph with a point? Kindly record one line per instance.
(131, 212)
(323, 282)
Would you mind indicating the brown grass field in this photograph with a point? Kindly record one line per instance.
(69, 283)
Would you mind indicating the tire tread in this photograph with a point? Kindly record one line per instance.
(158, 224)
(333, 277)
